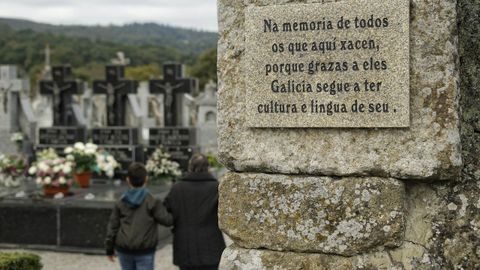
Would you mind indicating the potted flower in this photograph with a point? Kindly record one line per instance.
(12, 169)
(54, 175)
(84, 158)
(161, 168)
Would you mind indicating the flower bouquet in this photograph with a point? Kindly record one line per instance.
(106, 163)
(84, 158)
(12, 169)
(87, 158)
(54, 175)
(160, 168)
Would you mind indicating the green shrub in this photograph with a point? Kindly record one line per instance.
(19, 261)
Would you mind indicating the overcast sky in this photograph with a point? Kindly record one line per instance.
(198, 14)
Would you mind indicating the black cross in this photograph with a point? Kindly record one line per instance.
(171, 86)
(61, 91)
(117, 89)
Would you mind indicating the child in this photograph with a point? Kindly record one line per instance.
(132, 228)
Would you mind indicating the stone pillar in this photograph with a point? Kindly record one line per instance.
(358, 198)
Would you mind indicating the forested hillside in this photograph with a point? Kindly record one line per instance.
(88, 56)
(187, 41)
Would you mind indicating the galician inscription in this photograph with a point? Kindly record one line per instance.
(342, 64)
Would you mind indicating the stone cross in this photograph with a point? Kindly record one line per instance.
(171, 86)
(61, 91)
(10, 88)
(116, 88)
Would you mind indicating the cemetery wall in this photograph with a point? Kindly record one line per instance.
(359, 199)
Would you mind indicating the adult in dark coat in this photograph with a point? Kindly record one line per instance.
(197, 241)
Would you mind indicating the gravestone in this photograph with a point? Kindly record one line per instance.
(61, 89)
(172, 87)
(207, 118)
(116, 89)
(67, 128)
(332, 117)
(11, 88)
(122, 141)
(177, 140)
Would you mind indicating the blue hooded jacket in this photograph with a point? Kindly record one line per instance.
(134, 197)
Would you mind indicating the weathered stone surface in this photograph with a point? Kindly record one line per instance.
(429, 149)
(312, 214)
(236, 258)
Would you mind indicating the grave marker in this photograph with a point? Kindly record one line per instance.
(116, 88)
(61, 89)
(171, 86)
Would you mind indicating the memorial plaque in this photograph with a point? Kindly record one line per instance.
(115, 136)
(345, 64)
(171, 136)
(61, 135)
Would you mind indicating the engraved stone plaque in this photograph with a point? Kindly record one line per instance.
(344, 65)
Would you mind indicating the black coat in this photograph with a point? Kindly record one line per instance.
(193, 202)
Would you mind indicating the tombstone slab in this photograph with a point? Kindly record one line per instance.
(428, 149)
(312, 214)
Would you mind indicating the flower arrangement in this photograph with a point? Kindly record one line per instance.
(11, 169)
(17, 138)
(52, 172)
(89, 158)
(84, 156)
(47, 154)
(161, 168)
(106, 163)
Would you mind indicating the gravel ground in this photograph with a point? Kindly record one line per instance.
(76, 261)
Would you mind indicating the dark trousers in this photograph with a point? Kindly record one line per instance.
(209, 267)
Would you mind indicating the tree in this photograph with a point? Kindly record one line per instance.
(205, 67)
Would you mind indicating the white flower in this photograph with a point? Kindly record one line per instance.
(38, 180)
(67, 169)
(42, 166)
(56, 169)
(32, 170)
(90, 151)
(110, 174)
(79, 146)
(48, 180)
(70, 157)
(92, 146)
(62, 180)
(68, 150)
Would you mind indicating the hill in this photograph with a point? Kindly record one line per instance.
(88, 57)
(187, 41)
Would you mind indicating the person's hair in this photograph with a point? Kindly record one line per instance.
(137, 174)
(198, 163)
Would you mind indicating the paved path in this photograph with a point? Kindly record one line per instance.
(75, 261)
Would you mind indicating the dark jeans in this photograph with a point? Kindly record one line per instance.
(136, 262)
(209, 267)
